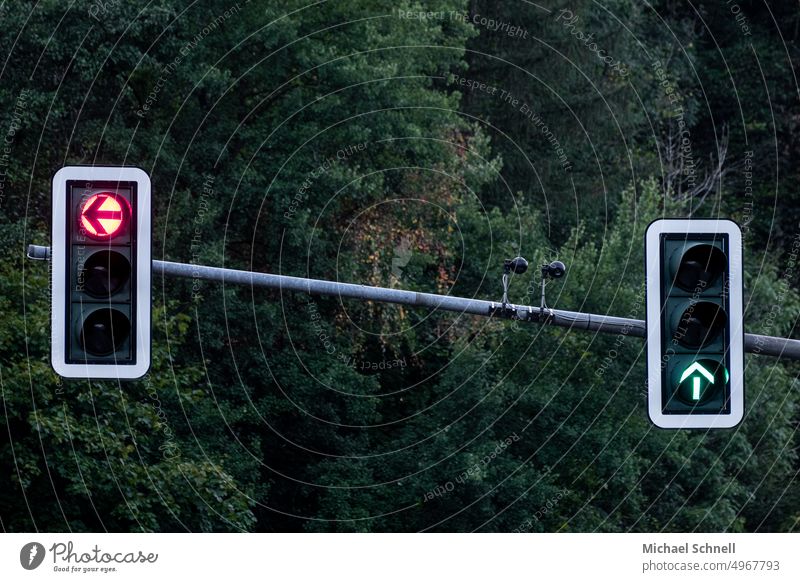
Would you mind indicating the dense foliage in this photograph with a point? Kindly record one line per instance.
(409, 146)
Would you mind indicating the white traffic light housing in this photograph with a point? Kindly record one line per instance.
(695, 331)
(101, 272)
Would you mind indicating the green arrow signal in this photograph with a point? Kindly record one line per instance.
(696, 367)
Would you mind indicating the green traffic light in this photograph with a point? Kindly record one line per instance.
(701, 380)
(694, 322)
(697, 373)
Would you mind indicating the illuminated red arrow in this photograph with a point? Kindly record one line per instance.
(103, 215)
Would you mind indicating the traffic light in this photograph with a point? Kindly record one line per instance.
(695, 334)
(101, 271)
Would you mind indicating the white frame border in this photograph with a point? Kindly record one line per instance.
(653, 320)
(58, 272)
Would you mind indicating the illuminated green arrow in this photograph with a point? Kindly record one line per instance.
(696, 367)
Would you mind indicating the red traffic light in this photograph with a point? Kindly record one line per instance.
(101, 264)
(104, 216)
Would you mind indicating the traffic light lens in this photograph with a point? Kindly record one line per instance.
(701, 324)
(104, 331)
(700, 267)
(700, 381)
(104, 216)
(105, 273)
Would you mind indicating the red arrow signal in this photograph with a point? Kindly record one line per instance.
(104, 216)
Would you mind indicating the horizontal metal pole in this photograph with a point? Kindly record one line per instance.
(755, 344)
(558, 317)
(767, 345)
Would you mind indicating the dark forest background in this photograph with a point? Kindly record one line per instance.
(352, 142)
